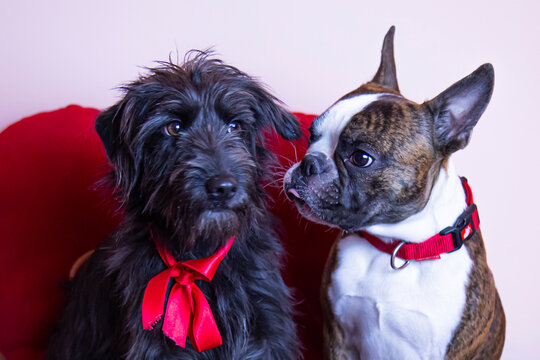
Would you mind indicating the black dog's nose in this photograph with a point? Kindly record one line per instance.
(221, 187)
(313, 164)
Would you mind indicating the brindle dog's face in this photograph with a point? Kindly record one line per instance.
(185, 143)
(374, 156)
(375, 169)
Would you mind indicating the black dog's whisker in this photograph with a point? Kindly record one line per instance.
(288, 161)
(295, 154)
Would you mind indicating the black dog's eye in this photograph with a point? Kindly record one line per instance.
(233, 126)
(361, 158)
(173, 129)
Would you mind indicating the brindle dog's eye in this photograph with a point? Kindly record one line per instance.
(233, 126)
(173, 129)
(361, 158)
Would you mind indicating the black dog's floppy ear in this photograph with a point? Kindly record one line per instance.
(386, 75)
(285, 123)
(270, 112)
(457, 109)
(107, 125)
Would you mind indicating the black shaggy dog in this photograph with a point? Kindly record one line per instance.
(186, 144)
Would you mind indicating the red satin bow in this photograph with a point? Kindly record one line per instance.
(187, 312)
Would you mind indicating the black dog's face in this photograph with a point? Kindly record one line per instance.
(186, 146)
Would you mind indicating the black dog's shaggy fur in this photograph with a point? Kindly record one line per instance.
(174, 133)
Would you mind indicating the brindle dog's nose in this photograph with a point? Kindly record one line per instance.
(221, 187)
(313, 164)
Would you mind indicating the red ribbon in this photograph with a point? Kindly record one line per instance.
(187, 311)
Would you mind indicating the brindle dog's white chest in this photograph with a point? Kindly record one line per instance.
(388, 314)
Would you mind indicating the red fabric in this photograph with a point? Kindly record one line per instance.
(307, 245)
(187, 311)
(50, 214)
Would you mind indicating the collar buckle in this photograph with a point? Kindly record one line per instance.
(462, 229)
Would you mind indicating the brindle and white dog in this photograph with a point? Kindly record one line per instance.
(379, 165)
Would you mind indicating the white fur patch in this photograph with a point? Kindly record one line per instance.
(410, 313)
(332, 122)
(446, 202)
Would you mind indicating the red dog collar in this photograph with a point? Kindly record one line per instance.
(448, 240)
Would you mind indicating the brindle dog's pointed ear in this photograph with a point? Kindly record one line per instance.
(386, 75)
(457, 109)
(107, 128)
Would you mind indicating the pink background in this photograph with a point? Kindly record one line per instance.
(53, 53)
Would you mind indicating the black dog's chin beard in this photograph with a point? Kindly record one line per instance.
(215, 226)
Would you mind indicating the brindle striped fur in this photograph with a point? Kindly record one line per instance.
(481, 332)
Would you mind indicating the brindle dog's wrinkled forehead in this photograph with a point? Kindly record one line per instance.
(327, 128)
(390, 127)
(380, 119)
